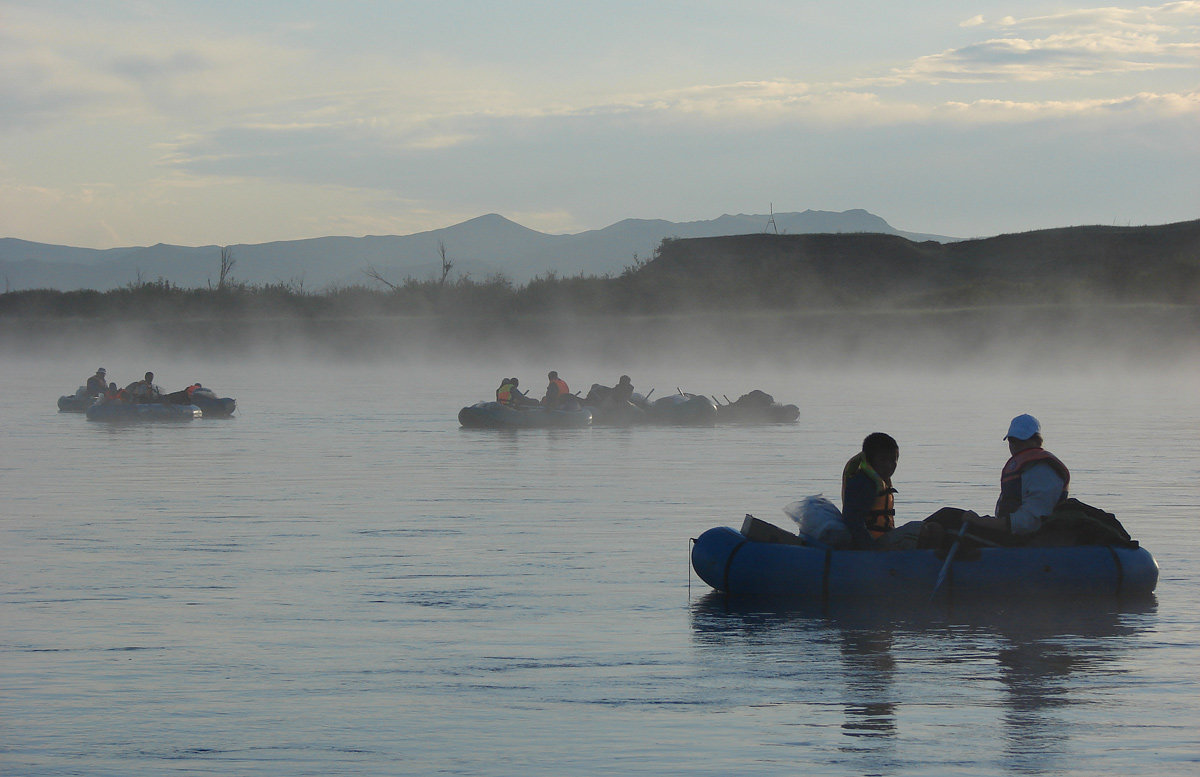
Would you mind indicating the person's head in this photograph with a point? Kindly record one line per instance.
(624, 379)
(882, 452)
(100, 371)
(515, 382)
(149, 377)
(552, 375)
(1024, 432)
(112, 386)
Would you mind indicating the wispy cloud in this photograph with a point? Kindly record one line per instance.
(1008, 111)
(1071, 44)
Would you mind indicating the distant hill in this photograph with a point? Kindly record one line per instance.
(481, 247)
(1073, 266)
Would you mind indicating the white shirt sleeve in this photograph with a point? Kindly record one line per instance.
(1040, 489)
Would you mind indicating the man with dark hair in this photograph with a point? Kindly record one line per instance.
(556, 391)
(868, 498)
(868, 501)
(144, 390)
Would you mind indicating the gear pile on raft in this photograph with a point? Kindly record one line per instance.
(618, 405)
(101, 400)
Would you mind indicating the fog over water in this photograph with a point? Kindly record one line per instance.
(340, 580)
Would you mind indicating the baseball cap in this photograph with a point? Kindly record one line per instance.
(1023, 427)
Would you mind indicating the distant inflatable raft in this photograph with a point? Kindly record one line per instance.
(732, 563)
(493, 415)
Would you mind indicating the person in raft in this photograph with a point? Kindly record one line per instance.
(556, 391)
(1032, 484)
(144, 390)
(97, 384)
(510, 396)
(504, 394)
(869, 501)
(622, 393)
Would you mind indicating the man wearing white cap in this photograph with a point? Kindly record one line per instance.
(1032, 483)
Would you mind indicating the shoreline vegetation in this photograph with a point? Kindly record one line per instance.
(1115, 286)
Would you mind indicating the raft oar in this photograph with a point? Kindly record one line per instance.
(941, 578)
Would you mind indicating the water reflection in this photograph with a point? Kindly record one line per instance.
(1004, 678)
(868, 677)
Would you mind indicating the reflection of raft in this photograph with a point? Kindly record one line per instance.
(493, 415)
(730, 562)
(126, 412)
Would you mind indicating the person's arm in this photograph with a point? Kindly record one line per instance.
(1040, 489)
(860, 498)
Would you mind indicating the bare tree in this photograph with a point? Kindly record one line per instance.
(446, 263)
(375, 275)
(227, 263)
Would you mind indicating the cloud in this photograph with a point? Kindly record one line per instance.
(1141, 105)
(1071, 44)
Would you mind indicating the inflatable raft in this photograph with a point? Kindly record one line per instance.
(75, 403)
(493, 415)
(683, 410)
(214, 406)
(206, 399)
(127, 412)
(756, 407)
(777, 566)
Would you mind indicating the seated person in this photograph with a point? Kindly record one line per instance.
(1032, 483)
(556, 392)
(144, 390)
(622, 392)
(868, 498)
(97, 384)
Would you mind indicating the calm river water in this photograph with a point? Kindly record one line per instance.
(340, 580)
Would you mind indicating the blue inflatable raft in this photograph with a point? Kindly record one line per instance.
(127, 412)
(493, 415)
(732, 563)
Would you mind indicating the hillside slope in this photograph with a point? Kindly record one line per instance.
(1072, 265)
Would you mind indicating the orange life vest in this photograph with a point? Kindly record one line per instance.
(1010, 478)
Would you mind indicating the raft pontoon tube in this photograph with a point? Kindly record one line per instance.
(732, 563)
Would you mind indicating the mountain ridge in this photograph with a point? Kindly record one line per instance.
(483, 246)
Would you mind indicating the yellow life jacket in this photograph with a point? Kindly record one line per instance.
(504, 394)
(881, 518)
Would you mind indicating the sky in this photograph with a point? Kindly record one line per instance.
(211, 122)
